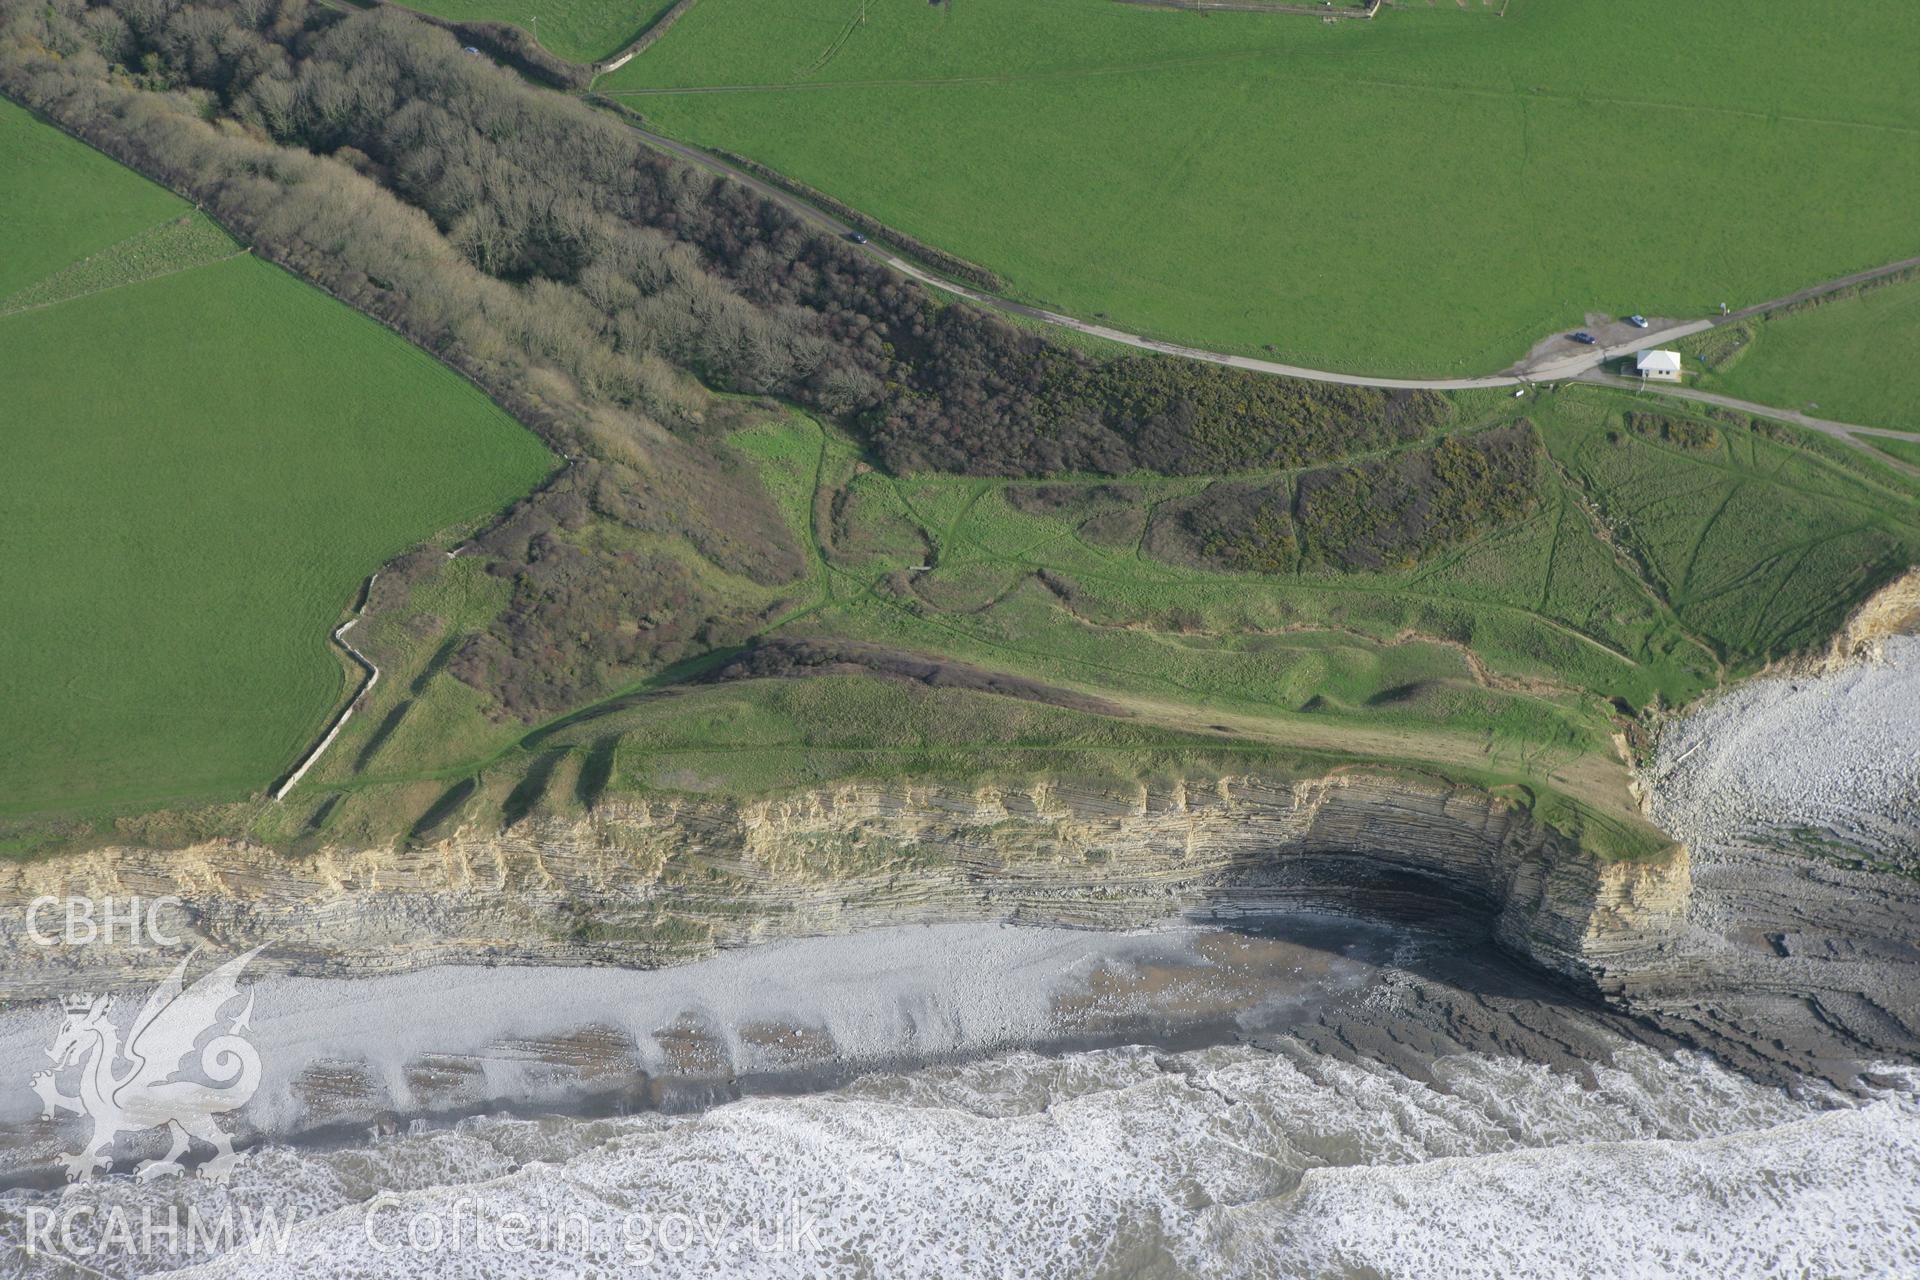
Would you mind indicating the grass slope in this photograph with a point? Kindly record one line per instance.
(1853, 358)
(199, 467)
(1430, 192)
(1649, 572)
(1907, 451)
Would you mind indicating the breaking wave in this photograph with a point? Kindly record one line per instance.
(1240, 1160)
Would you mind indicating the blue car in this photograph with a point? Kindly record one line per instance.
(856, 237)
(1585, 339)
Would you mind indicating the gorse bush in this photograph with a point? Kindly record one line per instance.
(1397, 511)
(1687, 433)
(1380, 513)
(1242, 527)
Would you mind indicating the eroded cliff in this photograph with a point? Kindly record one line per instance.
(1770, 959)
(661, 880)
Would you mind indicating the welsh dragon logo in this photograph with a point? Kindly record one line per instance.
(163, 1044)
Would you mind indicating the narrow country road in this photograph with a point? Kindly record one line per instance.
(1581, 362)
(1567, 366)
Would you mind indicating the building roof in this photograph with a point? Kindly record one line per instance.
(1657, 362)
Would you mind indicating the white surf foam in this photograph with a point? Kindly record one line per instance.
(1127, 1162)
(1832, 1195)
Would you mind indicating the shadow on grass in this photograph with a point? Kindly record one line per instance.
(522, 799)
(597, 771)
(440, 810)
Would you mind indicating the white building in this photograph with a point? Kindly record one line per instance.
(1661, 366)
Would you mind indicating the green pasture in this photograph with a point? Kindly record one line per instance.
(1850, 360)
(203, 459)
(51, 202)
(1430, 192)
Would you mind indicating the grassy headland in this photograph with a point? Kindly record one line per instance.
(1654, 557)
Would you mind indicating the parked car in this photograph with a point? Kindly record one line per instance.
(1585, 339)
(1638, 322)
(856, 237)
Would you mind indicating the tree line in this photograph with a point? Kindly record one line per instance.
(619, 255)
(599, 291)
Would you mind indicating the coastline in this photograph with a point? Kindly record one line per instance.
(794, 944)
(1375, 1090)
(347, 1057)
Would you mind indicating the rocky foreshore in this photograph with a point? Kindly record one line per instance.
(1774, 960)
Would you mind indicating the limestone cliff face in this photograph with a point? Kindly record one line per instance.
(658, 881)
(1773, 960)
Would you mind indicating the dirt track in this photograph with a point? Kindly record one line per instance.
(1845, 432)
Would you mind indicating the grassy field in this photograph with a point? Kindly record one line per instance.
(203, 458)
(1851, 360)
(1663, 557)
(52, 188)
(1430, 192)
(577, 30)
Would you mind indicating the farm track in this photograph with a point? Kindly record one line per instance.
(1583, 366)
(1846, 432)
(1592, 779)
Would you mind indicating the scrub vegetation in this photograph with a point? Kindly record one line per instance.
(954, 626)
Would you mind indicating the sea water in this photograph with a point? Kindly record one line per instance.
(1236, 1160)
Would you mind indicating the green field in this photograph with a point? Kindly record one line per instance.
(203, 458)
(52, 190)
(1850, 360)
(577, 30)
(1430, 192)
(1658, 562)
